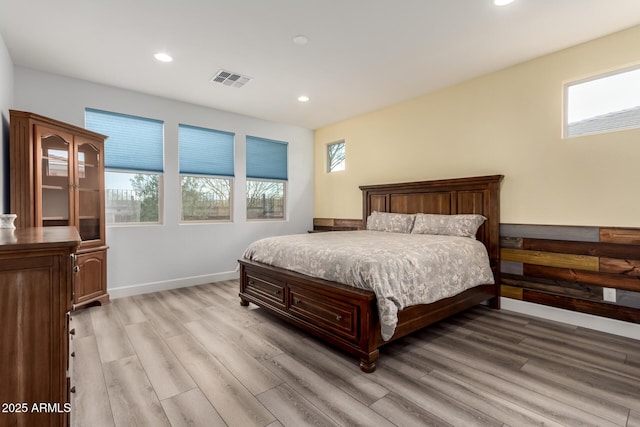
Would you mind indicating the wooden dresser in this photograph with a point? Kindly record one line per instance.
(36, 274)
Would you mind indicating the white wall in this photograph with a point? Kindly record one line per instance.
(6, 102)
(152, 257)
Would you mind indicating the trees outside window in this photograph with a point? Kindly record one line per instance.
(265, 199)
(336, 157)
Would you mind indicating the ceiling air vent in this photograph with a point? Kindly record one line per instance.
(228, 78)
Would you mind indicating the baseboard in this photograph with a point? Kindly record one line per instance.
(145, 288)
(602, 324)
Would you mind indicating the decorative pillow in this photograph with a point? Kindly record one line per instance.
(392, 222)
(448, 225)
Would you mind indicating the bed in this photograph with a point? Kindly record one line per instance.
(347, 317)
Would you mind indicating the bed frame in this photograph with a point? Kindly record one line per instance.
(347, 317)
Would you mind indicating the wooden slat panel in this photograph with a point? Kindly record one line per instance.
(592, 307)
(615, 250)
(511, 292)
(337, 224)
(439, 203)
(552, 232)
(348, 223)
(620, 266)
(511, 267)
(580, 262)
(576, 276)
(577, 290)
(630, 236)
(511, 242)
(611, 250)
(323, 222)
(628, 298)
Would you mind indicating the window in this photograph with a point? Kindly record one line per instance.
(133, 158)
(266, 178)
(206, 172)
(335, 157)
(602, 104)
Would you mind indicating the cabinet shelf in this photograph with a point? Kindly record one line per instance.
(54, 187)
(65, 160)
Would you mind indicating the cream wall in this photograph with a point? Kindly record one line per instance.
(508, 122)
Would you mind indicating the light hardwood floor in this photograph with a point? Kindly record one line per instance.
(195, 357)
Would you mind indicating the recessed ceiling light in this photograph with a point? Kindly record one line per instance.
(502, 2)
(163, 57)
(303, 98)
(301, 40)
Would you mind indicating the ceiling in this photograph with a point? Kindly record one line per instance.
(362, 55)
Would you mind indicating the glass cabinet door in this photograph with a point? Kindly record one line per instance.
(56, 178)
(90, 203)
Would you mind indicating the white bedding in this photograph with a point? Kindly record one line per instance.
(401, 269)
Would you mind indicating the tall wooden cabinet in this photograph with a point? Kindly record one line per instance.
(57, 179)
(36, 274)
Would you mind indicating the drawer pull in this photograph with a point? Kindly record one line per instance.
(73, 354)
(276, 292)
(72, 332)
(73, 389)
(251, 283)
(338, 318)
(296, 301)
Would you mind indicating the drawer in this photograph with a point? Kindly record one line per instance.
(336, 316)
(268, 291)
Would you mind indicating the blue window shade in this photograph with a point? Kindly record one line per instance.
(205, 151)
(266, 158)
(134, 143)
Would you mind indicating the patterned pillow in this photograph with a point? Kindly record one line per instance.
(448, 225)
(392, 222)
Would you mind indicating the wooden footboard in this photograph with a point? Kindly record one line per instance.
(343, 316)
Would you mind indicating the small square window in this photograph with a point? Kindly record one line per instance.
(336, 157)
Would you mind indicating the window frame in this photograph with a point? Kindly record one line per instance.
(284, 199)
(208, 170)
(344, 156)
(160, 199)
(207, 221)
(255, 172)
(157, 169)
(566, 101)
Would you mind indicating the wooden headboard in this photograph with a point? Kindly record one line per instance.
(473, 195)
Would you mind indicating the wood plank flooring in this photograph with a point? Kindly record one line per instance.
(195, 357)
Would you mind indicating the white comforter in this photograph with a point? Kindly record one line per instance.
(401, 269)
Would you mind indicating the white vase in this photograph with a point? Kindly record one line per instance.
(6, 220)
